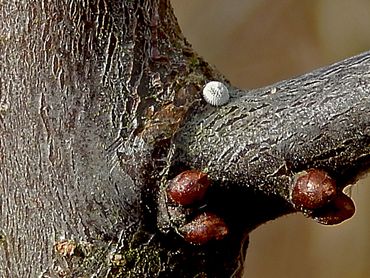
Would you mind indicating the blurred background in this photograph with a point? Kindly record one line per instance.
(258, 42)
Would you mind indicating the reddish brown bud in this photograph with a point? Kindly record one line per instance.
(188, 187)
(312, 189)
(204, 228)
(338, 210)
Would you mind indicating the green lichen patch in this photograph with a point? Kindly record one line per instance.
(143, 261)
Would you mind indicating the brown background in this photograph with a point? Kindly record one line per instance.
(255, 43)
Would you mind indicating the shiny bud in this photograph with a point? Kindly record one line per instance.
(204, 228)
(188, 187)
(312, 189)
(338, 210)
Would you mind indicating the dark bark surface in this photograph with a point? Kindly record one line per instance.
(263, 137)
(100, 105)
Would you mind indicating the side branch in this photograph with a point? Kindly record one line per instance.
(262, 138)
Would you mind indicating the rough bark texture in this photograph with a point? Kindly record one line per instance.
(100, 105)
(264, 137)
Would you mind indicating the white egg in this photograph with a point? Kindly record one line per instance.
(216, 93)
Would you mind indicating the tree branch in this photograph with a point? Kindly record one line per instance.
(262, 138)
(101, 107)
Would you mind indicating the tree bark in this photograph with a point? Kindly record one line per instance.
(100, 105)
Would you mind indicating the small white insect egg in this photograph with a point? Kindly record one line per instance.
(216, 93)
